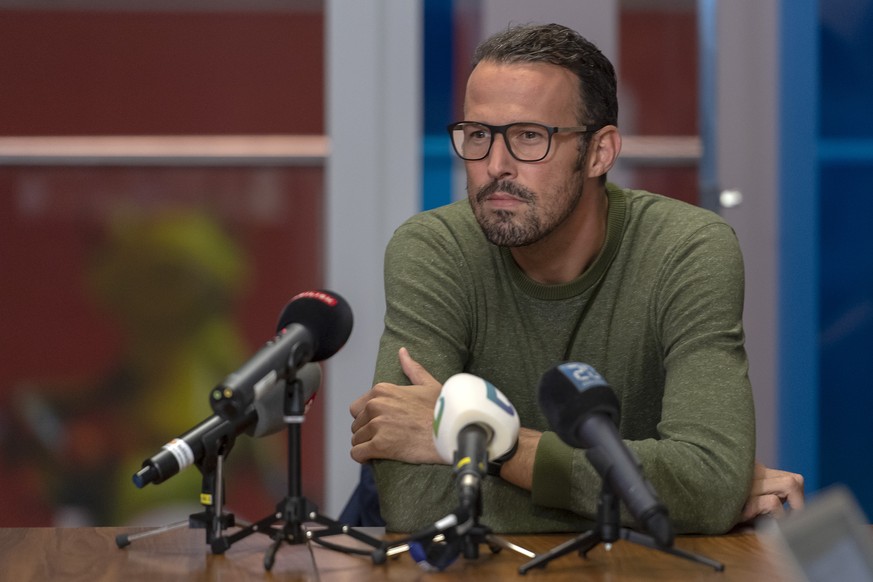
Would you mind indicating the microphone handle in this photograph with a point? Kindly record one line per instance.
(621, 469)
(471, 463)
(188, 449)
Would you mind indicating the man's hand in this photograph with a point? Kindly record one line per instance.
(395, 422)
(771, 489)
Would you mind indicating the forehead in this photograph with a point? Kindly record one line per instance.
(506, 92)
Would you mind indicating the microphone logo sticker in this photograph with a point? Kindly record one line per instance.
(494, 396)
(325, 298)
(583, 375)
(438, 415)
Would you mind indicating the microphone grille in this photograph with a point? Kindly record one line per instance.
(569, 393)
(326, 315)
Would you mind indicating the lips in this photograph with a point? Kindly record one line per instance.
(504, 193)
(503, 200)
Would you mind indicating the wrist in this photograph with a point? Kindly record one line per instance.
(494, 466)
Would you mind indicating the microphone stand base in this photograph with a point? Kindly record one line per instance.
(607, 530)
(588, 540)
(213, 519)
(435, 551)
(294, 512)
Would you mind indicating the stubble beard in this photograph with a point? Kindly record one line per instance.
(507, 228)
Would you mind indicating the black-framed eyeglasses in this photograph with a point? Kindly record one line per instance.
(526, 141)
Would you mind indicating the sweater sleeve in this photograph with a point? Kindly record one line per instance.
(426, 313)
(701, 460)
(427, 307)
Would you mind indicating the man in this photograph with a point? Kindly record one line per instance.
(546, 262)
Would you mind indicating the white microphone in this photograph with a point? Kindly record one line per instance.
(472, 423)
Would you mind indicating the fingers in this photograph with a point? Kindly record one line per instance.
(362, 444)
(358, 405)
(771, 490)
(366, 411)
(786, 486)
(795, 495)
(370, 404)
(416, 373)
(394, 422)
(769, 505)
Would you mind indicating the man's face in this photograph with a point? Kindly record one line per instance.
(519, 203)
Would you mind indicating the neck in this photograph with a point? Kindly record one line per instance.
(565, 253)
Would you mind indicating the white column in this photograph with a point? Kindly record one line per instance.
(746, 143)
(373, 58)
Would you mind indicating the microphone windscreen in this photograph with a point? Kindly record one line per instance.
(325, 314)
(467, 399)
(569, 393)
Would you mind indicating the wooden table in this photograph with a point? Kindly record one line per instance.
(91, 554)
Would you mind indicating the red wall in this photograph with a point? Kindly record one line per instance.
(659, 75)
(93, 73)
(160, 73)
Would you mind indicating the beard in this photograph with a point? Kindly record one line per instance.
(508, 228)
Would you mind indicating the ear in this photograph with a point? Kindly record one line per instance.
(603, 150)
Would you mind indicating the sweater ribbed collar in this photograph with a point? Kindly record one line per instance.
(614, 227)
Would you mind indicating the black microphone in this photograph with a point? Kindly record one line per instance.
(584, 412)
(263, 417)
(312, 327)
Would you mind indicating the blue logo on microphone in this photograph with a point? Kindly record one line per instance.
(492, 394)
(582, 375)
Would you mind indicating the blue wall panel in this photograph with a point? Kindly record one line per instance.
(847, 329)
(798, 240)
(846, 286)
(438, 94)
(826, 244)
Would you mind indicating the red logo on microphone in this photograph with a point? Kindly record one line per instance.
(325, 298)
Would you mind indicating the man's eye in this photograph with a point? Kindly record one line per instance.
(529, 135)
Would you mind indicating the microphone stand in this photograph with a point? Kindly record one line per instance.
(295, 509)
(436, 546)
(607, 531)
(213, 519)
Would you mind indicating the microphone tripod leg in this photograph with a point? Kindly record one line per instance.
(583, 543)
(648, 542)
(499, 542)
(124, 540)
(270, 555)
(377, 549)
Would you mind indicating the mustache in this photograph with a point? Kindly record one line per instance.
(510, 188)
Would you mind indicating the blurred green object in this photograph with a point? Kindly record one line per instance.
(169, 280)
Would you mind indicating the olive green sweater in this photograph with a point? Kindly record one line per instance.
(658, 314)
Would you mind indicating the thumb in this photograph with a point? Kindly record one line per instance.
(416, 373)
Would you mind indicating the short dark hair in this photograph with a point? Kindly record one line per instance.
(558, 45)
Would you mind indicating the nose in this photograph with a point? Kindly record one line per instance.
(501, 164)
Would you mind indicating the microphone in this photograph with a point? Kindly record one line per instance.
(583, 411)
(269, 401)
(473, 422)
(313, 326)
(263, 417)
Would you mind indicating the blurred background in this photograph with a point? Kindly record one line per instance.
(172, 173)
